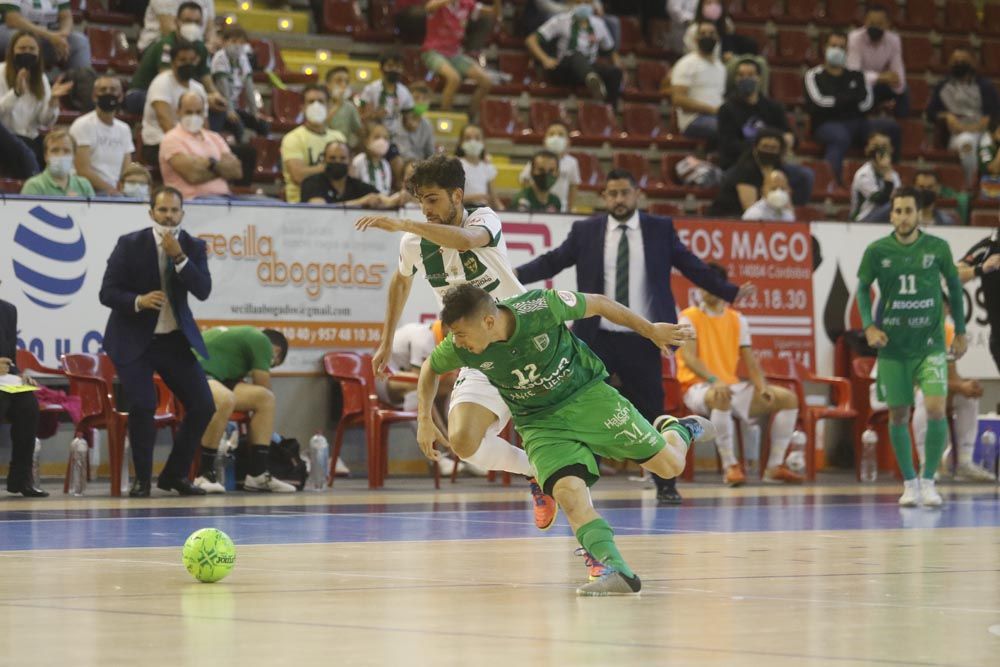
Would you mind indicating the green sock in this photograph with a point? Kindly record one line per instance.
(934, 446)
(678, 428)
(899, 435)
(598, 538)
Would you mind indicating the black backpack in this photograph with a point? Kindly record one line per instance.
(283, 462)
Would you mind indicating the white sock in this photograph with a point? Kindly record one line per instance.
(723, 422)
(782, 427)
(495, 453)
(919, 426)
(966, 415)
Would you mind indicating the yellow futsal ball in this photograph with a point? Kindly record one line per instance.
(209, 555)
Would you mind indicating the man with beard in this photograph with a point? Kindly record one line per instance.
(627, 256)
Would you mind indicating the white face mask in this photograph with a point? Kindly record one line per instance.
(61, 166)
(192, 32)
(135, 190)
(556, 144)
(165, 230)
(778, 198)
(193, 122)
(472, 148)
(316, 113)
(379, 147)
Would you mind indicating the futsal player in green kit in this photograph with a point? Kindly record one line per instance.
(908, 332)
(561, 406)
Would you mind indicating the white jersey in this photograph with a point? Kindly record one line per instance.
(487, 267)
(411, 345)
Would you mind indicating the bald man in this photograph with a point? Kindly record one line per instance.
(193, 159)
(775, 202)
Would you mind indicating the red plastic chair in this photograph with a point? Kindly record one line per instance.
(26, 361)
(597, 123)
(756, 11)
(541, 114)
(918, 54)
(645, 85)
(960, 16)
(991, 19)
(920, 93)
(670, 185)
(109, 49)
(788, 87)
(518, 65)
(841, 407)
(268, 168)
(825, 185)
(591, 175)
(917, 15)
(642, 122)
(635, 163)
(286, 108)
(498, 118)
(342, 17)
(666, 209)
(800, 12)
(989, 56)
(841, 12)
(631, 34)
(794, 48)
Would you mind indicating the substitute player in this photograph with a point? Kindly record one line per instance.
(565, 412)
(455, 247)
(908, 332)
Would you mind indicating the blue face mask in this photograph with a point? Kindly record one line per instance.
(581, 12)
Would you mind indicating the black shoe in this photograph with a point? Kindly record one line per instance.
(180, 485)
(139, 489)
(668, 495)
(28, 490)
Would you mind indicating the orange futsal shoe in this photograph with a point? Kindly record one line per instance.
(735, 476)
(784, 474)
(545, 506)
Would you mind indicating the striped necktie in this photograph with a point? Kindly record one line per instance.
(621, 268)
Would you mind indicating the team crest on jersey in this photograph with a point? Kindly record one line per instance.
(486, 365)
(567, 297)
(471, 265)
(541, 341)
(886, 263)
(928, 261)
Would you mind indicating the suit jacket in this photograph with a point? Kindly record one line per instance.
(663, 250)
(8, 334)
(133, 270)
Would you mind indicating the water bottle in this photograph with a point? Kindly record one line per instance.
(869, 456)
(796, 458)
(36, 477)
(989, 443)
(126, 455)
(751, 446)
(319, 462)
(78, 466)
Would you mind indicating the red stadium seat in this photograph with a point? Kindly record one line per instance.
(989, 56)
(920, 93)
(808, 214)
(100, 15)
(657, 45)
(840, 13)
(918, 54)
(631, 37)
(636, 164)
(597, 123)
(669, 210)
(591, 174)
(520, 68)
(541, 114)
(760, 38)
(917, 15)
(788, 87)
(849, 169)
(645, 85)
(268, 157)
(286, 108)
(800, 12)
(109, 49)
(914, 136)
(498, 118)
(642, 122)
(11, 186)
(794, 48)
(757, 11)
(342, 17)
(951, 176)
(960, 16)
(984, 218)
(382, 14)
(906, 173)
(268, 58)
(991, 19)
(826, 185)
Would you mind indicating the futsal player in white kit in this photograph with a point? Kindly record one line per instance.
(451, 248)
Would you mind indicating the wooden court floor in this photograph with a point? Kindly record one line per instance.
(832, 574)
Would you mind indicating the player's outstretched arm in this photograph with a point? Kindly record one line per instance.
(399, 292)
(956, 296)
(427, 431)
(446, 236)
(665, 336)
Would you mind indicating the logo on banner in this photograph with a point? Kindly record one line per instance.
(49, 258)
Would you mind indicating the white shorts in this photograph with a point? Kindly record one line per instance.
(694, 398)
(473, 387)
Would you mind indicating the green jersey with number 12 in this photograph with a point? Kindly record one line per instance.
(911, 304)
(542, 366)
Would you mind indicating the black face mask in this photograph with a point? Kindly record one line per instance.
(335, 170)
(107, 102)
(544, 180)
(186, 72)
(707, 44)
(875, 34)
(26, 61)
(961, 70)
(767, 159)
(926, 198)
(392, 77)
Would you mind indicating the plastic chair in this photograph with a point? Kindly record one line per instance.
(591, 175)
(342, 17)
(642, 122)
(800, 12)
(518, 66)
(597, 123)
(991, 19)
(268, 168)
(918, 54)
(541, 114)
(825, 185)
(109, 48)
(960, 16)
(841, 12)
(756, 11)
(498, 118)
(635, 163)
(794, 48)
(788, 87)
(286, 107)
(917, 15)
(645, 84)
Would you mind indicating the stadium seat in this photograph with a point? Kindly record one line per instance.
(268, 169)
(917, 15)
(918, 53)
(808, 214)
(382, 15)
(794, 48)
(849, 169)
(914, 137)
(991, 19)
(948, 44)
(591, 174)
(109, 49)
(597, 123)
(907, 173)
(631, 37)
(108, 16)
(498, 118)
(541, 114)
(286, 109)
(984, 217)
(799, 12)
(920, 94)
(989, 56)
(342, 17)
(267, 56)
(669, 210)
(841, 13)
(755, 11)
(520, 68)
(636, 164)
(642, 122)
(11, 186)
(644, 85)
(825, 185)
(787, 87)
(951, 176)
(761, 38)
(960, 16)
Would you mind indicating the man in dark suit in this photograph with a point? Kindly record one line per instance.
(151, 329)
(20, 410)
(627, 256)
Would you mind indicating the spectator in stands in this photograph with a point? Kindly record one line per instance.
(837, 100)
(103, 143)
(557, 142)
(874, 182)
(159, 115)
(58, 179)
(743, 183)
(966, 104)
(730, 43)
(747, 110)
(336, 186)
(442, 49)
(479, 170)
(159, 57)
(407, 200)
(371, 166)
(50, 22)
(706, 369)
(414, 137)
(382, 99)
(877, 52)
(302, 148)
(162, 18)
(579, 37)
(989, 162)
(928, 188)
(681, 13)
(19, 160)
(538, 197)
(698, 82)
(27, 102)
(136, 182)
(775, 202)
(232, 75)
(537, 12)
(344, 115)
(195, 160)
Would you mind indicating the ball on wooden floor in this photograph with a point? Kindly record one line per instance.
(209, 555)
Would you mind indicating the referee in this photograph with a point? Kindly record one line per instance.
(982, 261)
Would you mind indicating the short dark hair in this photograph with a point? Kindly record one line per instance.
(876, 7)
(749, 61)
(549, 155)
(719, 269)
(390, 57)
(464, 300)
(926, 172)
(189, 5)
(182, 45)
(769, 133)
(333, 70)
(235, 32)
(837, 32)
(278, 340)
(441, 171)
(164, 189)
(317, 87)
(617, 174)
(902, 192)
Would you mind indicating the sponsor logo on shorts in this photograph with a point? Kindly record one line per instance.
(541, 341)
(569, 298)
(619, 418)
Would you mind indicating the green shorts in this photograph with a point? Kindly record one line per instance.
(598, 421)
(461, 62)
(896, 378)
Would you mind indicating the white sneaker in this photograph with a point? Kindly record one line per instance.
(911, 493)
(974, 473)
(929, 495)
(208, 485)
(341, 469)
(447, 466)
(264, 482)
